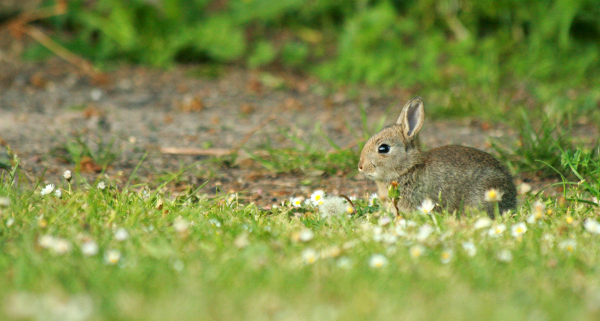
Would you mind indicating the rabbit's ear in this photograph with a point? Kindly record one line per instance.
(411, 118)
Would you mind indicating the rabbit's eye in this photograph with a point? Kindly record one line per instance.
(383, 149)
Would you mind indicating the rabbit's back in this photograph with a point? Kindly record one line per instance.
(459, 176)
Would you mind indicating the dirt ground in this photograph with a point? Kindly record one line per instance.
(44, 105)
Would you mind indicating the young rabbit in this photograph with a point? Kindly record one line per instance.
(455, 177)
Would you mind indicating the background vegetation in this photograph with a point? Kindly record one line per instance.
(486, 55)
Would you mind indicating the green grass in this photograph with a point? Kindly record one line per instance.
(538, 149)
(190, 256)
(466, 58)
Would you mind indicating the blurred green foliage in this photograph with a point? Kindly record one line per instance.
(488, 45)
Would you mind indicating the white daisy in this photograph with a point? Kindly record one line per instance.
(417, 251)
(482, 223)
(101, 185)
(372, 199)
(504, 256)
(497, 230)
(518, 229)
(469, 248)
(180, 225)
(89, 248)
(296, 201)
(424, 231)
(306, 235)
(121, 234)
(47, 190)
(378, 261)
(568, 245)
(493, 195)
(426, 206)
(46, 241)
(67, 175)
(317, 197)
(523, 188)
(446, 255)
(232, 198)
(112, 257)
(592, 226)
(309, 256)
(344, 262)
(61, 246)
(539, 208)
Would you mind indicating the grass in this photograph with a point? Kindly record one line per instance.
(307, 155)
(85, 151)
(537, 150)
(189, 256)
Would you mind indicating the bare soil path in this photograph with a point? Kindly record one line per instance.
(44, 106)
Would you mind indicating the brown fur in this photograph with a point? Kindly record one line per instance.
(455, 177)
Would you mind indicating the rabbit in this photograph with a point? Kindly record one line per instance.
(456, 177)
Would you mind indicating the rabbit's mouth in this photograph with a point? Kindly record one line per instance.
(370, 174)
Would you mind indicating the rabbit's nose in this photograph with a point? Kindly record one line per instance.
(360, 167)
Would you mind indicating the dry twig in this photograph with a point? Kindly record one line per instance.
(20, 25)
(217, 152)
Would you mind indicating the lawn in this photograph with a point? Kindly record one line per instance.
(103, 250)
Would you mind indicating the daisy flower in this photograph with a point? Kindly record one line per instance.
(426, 207)
(306, 235)
(378, 261)
(497, 230)
(241, 241)
(349, 209)
(231, 198)
(372, 199)
(309, 256)
(61, 246)
(296, 201)
(180, 225)
(46, 241)
(446, 255)
(416, 251)
(538, 209)
(424, 232)
(344, 262)
(518, 229)
(523, 188)
(568, 245)
(592, 226)
(47, 190)
(532, 218)
(89, 248)
(112, 257)
(67, 175)
(493, 195)
(504, 256)
(121, 234)
(482, 223)
(469, 248)
(58, 193)
(317, 197)
(101, 185)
